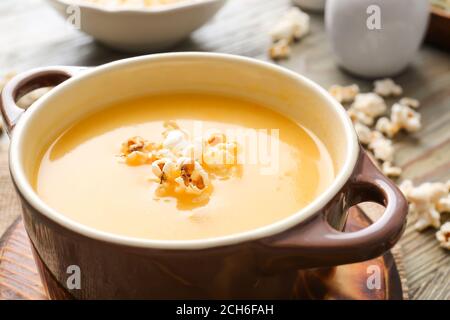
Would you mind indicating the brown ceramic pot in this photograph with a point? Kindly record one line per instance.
(261, 263)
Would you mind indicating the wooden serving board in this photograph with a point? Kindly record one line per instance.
(19, 278)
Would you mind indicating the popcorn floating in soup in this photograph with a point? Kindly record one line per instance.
(193, 179)
(138, 151)
(387, 87)
(183, 167)
(344, 94)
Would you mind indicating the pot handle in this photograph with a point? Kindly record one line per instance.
(26, 82)
(316, 243)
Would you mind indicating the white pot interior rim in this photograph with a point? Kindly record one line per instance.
(27, 191)
(147, 10)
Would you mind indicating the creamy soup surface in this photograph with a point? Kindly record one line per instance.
(82, 175)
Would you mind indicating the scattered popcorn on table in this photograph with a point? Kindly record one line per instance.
(280, 50)
(384, 125)
(423, 201)
(443, 204)
(382, 148)
(405, 118)
(390, 170)
(443, 236)
(359, 116)
(402, 117)
(344, 94)
(427, 201)
(293, 25)
(387, 87)
(371, 104)
(410, 102)
(364, 133)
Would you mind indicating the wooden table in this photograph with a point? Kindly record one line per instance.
(33, 35)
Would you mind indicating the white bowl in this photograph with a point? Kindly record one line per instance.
(136, 29)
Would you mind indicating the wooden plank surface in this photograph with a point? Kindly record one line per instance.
(33, 35)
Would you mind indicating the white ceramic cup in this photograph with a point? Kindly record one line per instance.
(363, 49)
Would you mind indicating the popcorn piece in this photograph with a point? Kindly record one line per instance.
(175, 140)
(382, 148)
(193, 178)
(406, 186)
(385, 125)
(369, 103)
(164, 169)
(402, 117)
(358, 116)
(390, 170)
(405, 118)
(443, 205)
(443, 236)
(364, 133)
(423, 200)
(292, 26)
(137, 158)
(138, 151)
(280, 50)
(426, 218)
(179, 164)
(220, 156)
(429, 192)
(410, 102)
(216, 138)
(344, 94)
(387, 87)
